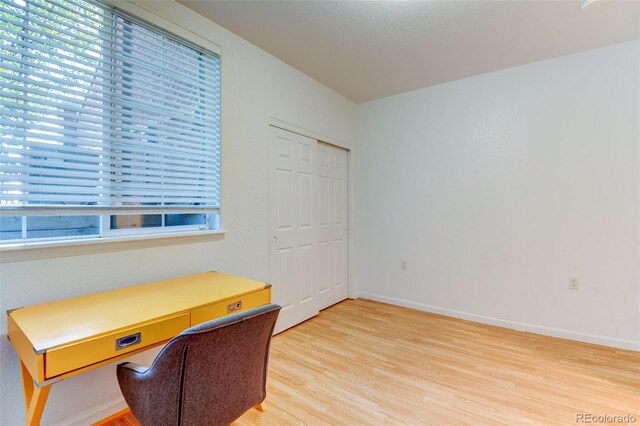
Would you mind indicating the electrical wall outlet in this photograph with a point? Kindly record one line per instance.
(574, 283)
(403, 265)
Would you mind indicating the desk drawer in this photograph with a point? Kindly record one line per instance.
(230, 306)
(81, 354)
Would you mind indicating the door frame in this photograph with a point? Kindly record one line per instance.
(280, 124)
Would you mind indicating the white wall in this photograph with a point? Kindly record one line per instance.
(498, 188)
(256, 86)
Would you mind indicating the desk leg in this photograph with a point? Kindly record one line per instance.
(36, 407)
(34, 398)
(27, 386)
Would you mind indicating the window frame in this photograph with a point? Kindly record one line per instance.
(108, 231)
(162, 24)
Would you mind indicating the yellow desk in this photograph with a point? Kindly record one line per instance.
(60, 339)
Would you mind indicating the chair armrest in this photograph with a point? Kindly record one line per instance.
(133, 366)
(153, 393)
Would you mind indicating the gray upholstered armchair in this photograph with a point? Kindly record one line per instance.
(209, 374)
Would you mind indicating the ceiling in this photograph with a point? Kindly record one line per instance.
(371, 49)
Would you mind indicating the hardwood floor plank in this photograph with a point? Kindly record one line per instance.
(367, 363)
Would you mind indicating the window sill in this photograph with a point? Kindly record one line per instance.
(81, 246)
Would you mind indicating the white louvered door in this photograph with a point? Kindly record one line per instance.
(293, 257)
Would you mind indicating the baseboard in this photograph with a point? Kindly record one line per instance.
(96, 414)
(532, 328)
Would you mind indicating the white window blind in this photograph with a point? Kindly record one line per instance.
(103, 113)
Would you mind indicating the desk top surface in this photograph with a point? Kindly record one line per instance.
(64, 321)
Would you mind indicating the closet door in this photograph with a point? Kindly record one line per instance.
(332, 226)
(293, 256)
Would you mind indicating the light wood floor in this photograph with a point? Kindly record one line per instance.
(367, 363)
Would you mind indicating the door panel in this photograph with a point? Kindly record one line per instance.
(284, 199)
(307, 290)
(305, 199)
(332, 226)
(283, 274)
(293, 258)
(324, 272)
(340, 270)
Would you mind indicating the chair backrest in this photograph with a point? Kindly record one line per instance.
(209, 374)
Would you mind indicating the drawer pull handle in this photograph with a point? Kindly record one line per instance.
(234, 306)
(130, 340)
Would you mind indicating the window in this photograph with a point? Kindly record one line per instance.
(109, 125)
